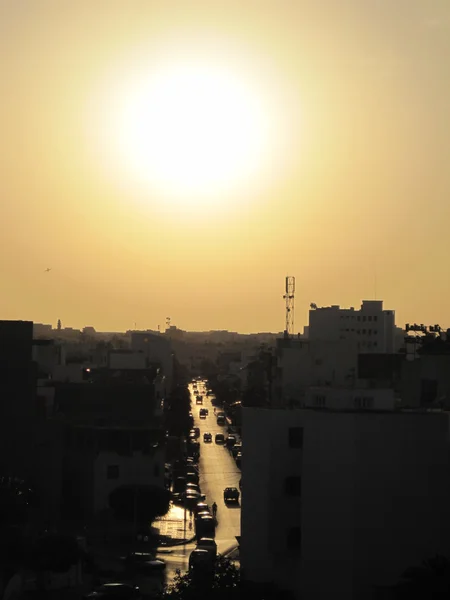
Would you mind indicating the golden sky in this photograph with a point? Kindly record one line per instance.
(344, 146)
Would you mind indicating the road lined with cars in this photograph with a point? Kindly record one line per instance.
(210, 472)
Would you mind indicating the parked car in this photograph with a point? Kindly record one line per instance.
(115, 591)
(238, 460)
(208, 544)
(230, 441)
(192, 477)
(207, 437)
(201, 506)
(192, 486)
(231, 494)
(220, 438)
(205, 526)
(236, 449)
(201, 559)
(221, 420)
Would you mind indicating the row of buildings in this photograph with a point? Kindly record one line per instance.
(77, 429)
(346, 462)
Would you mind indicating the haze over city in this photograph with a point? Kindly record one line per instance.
(312, 140)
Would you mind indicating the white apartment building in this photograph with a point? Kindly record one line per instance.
(303, 363)
(336, 503)
(371, 327)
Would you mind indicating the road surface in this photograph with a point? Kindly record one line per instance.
(218, 470)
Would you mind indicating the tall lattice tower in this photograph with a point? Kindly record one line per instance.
(289, 299)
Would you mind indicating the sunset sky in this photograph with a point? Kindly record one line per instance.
(181, 157)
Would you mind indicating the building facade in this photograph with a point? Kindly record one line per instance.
(371, 327)
(336, 503)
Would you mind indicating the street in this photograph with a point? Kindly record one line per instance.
(217, 471)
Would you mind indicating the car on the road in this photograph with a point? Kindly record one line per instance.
(207, 437)
(115, 591)
(195, 431)
(238, 459)
(208, 544)
(219, 438)
(221, 420)
(203, 413)
(201, 559)
(199, 399)
(231, 494)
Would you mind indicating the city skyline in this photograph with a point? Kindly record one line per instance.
(345, 178)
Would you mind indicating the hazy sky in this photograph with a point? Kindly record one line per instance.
(337, 152)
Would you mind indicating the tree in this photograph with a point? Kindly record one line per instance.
(142, 503)
(177, 408)
(16, 498)
(55, 552)
(430, 580)
(223, 583)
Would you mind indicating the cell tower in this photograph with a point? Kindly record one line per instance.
(289, 299)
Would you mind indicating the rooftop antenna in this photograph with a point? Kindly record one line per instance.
(289, 299)
(167, 322)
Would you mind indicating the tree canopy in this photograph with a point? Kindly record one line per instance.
(149, 502)
(223, 583)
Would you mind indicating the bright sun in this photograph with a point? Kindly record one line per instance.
(193, 132)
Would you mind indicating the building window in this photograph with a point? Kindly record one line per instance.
(293, 486)
(294, 539)
(375, 332)
(320, 401)
(364, 331)
(358, 318)
(375, 343)
(295, 437)
(364, 318)
(375, 318)
(365, 402)
(369, 318)
(318, 361)
(369, 331)
(112, 472)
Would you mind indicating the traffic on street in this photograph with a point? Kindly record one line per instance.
(214, 481)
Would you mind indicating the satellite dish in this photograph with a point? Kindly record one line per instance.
(313, 306)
